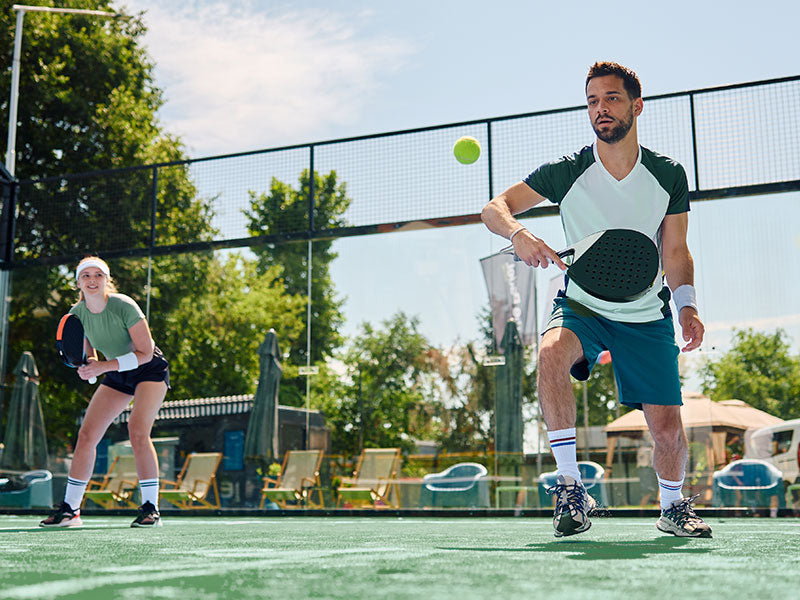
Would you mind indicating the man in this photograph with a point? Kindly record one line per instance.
(615, 183)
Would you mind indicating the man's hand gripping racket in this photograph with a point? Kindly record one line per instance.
(616, 265)
(71, 342)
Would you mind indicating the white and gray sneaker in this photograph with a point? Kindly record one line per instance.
(680, 520)
(573, 506)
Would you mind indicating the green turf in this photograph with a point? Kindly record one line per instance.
(389, 557)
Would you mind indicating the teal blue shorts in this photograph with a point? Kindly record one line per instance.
(644, 355)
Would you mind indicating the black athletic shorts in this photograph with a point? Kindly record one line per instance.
(126, 381)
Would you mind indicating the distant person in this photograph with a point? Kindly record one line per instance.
(134, 369)
(648, 481)
(614, 183)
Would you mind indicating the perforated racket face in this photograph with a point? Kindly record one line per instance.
(69, 341)
(619, 266)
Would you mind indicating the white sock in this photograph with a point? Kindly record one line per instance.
(148, 488)
(670, 491)
(74, 494)
(562, 443)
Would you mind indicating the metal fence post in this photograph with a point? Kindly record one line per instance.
(694, 144)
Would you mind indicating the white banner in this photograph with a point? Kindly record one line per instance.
(512, 295)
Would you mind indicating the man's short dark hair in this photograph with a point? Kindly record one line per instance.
(629, 79)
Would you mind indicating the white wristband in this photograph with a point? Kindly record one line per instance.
(515, 232)
(128, 362)
(684, 296)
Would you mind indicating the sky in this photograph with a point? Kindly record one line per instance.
(250, 75)
(253, 74)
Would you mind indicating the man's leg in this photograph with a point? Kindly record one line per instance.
(669, 460)
(559, 350)
(671, 449)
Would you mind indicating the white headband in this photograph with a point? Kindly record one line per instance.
(92, 263)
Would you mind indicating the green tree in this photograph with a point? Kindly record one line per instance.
(468, 418)
(468, 421)
(386, 370)
(468, 412)
(212, 339)
(284, 209)
(601, 396)
(86, 93)
(88, 102)
(759, 370)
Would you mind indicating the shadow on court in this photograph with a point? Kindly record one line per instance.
(597, 550)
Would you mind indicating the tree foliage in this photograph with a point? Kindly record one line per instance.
(601, 396)
(386, 371)
(86, 95)
(758, 369)
(284, 209)
(467, 414)
(88, 102)
(213, 338)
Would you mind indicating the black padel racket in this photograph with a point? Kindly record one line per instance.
(616, 265)
(71, 342)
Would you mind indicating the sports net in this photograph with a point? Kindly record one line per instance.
(726, 138)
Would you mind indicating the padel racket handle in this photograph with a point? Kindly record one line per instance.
(550, 260)
(93, 380)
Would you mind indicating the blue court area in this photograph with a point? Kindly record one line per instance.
(391, 557)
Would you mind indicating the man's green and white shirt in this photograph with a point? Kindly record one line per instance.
(590, 199)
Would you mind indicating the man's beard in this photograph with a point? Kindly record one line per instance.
(614, 134)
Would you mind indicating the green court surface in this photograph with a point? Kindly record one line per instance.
(390, 557)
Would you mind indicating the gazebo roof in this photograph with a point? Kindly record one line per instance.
(700, 411)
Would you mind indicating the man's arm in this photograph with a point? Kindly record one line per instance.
(679, 269)
(498, 216)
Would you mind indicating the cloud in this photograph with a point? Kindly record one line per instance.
(760, 323)
(239, 77)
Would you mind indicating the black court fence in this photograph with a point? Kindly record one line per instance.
(734, 140)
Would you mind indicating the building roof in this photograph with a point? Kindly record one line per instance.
(204, 407)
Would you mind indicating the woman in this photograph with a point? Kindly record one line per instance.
(134, 369)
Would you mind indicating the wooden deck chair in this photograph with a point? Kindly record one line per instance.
(197, 478)
(373, 480)
(117, 486)
(298, 480)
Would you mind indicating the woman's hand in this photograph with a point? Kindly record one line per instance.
(93, 368)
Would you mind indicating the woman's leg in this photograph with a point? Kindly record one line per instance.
(105, 406)
(146, 402)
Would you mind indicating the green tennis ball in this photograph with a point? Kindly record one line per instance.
(467, 150)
